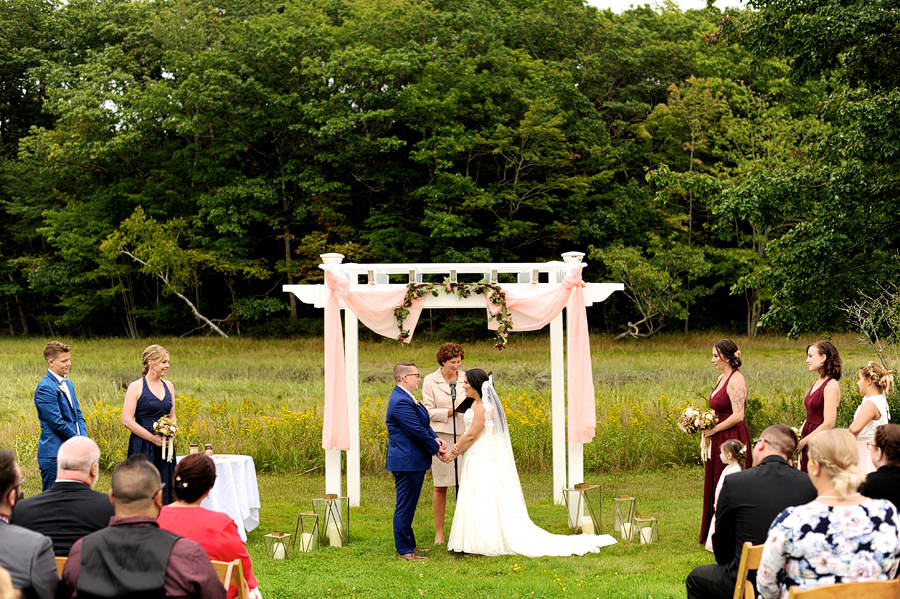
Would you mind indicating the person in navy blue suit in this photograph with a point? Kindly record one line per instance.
(57, 408)
(411, 443)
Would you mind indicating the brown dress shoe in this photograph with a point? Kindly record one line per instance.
(418, 551)
(412, 557)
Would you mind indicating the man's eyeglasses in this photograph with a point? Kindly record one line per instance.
(757, 440)
(871, 446)
(21, 482)
(415, 374)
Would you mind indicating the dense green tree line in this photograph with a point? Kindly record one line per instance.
(168, 165)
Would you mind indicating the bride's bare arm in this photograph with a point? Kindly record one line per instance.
(470, 435)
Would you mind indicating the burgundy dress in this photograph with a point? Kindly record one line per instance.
(714, 466)
(815, 416)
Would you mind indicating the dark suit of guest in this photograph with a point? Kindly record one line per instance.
(65, 512)
(884, 483)
(411, 443)
(60, 420)
(748, 503)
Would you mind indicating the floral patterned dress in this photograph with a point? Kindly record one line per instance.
(815, 544)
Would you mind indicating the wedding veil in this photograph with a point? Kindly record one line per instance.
(503, 447)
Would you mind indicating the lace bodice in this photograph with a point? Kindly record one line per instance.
(484, 442)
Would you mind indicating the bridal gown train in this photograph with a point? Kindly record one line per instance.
(491, 517)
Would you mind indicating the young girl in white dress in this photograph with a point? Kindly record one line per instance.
(875, 381)
(491, 517)
(732, 453)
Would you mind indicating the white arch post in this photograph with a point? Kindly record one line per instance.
(527, 274)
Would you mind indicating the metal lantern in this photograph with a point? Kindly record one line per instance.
(334, 520)
(278, 544)
(623, 517)
(647, 529)
(584, 506)
(307, 532)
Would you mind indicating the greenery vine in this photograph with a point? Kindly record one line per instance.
(492, 291)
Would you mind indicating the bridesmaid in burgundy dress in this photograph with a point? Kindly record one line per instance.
(728, 400)
(822, 400)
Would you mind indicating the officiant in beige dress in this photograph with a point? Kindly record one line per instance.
(436, 397)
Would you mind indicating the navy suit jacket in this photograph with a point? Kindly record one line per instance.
(57, 417)
(411, 440)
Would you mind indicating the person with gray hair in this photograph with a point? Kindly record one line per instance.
(69, 509)
(133, 557)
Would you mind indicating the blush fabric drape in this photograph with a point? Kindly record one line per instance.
(374, 306)
(531, 308)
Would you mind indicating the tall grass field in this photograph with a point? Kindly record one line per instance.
(263, 398)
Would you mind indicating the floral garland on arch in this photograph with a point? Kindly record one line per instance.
(493, 291)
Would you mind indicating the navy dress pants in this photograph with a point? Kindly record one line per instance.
(48, 473)
(409, 487)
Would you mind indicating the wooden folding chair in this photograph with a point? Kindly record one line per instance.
(231, 574)
(61, 564)
(869, 589)
(750, 556)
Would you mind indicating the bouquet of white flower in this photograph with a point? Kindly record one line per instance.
(694, 420)
(166, 428)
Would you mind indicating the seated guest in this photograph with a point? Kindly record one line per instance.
(133, 557)
(841, 536)
(69, 509)
(216, 532)
(747, 504)
(884, 483)
(27, 555)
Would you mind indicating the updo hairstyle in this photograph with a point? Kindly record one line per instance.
(832, 366)
(152, 355)
(735, 448)
(476, 378)
(194, 476)
(448, 351)
(835, 450)
(878, 374)
(887, 439)
(728, 351)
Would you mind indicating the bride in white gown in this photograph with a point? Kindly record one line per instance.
(491, 517)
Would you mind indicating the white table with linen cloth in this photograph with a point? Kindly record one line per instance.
(236, 492)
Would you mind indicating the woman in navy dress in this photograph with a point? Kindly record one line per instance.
(822, 400)
(146, 401)
(728, 400)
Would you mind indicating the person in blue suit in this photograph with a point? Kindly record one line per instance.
(411, 443)
(57, 409)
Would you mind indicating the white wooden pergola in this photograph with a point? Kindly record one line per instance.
(527, 274)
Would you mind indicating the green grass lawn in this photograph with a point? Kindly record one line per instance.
(368, 566)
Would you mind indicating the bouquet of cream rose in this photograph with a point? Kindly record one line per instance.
(166, 428)
(694, 420)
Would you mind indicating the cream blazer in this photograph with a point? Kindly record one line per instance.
(436, 399)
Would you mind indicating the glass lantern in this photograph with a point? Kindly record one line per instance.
(307, 532)
(584, 506)
(647, 529)
(623, 517)
(334, 520)
(278, 544)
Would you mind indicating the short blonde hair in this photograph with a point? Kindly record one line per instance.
(152, 355)
(836, 451)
